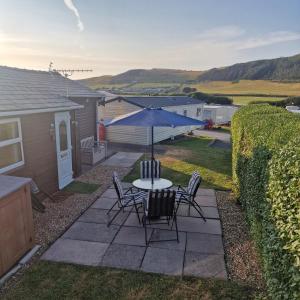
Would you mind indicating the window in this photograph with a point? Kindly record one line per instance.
(198, 113)
(185, 112)
(11, 147)
(63, 137)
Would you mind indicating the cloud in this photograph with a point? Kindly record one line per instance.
(70, 5)
(236, 38)
(221, 33)
(269, 39)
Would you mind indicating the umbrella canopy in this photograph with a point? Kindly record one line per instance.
(154, 117)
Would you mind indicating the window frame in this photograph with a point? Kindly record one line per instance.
(19, 139)
(198, 112)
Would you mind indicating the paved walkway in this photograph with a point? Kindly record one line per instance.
(90, 242)
(122, 159)
(222, 136)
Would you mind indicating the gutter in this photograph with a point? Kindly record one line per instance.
(36, 111)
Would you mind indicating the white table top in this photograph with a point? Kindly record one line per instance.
(158, 184)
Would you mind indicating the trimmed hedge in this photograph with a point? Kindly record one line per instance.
(266, 174)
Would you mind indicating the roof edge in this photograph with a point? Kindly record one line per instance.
(37, 111)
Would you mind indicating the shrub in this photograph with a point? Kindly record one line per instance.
(266, 174)
(209, 99)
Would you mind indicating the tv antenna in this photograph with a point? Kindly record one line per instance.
(67, 72)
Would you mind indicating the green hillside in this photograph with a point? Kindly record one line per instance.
(282, 69)
(145, 76)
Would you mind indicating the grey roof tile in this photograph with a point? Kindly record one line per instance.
(161, 101)
(27, 89)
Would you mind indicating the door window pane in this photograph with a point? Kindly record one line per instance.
(10, 155)
(63, 138)
(9, 131)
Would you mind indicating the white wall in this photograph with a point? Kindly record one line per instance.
(142, 135)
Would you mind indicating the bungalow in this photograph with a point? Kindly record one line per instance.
(115, 107)
(43, 118)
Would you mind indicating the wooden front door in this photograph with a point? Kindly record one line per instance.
(63, 148)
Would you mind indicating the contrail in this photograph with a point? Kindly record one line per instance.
(70, 5)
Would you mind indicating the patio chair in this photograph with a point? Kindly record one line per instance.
(187, 196)
(145, 169)
(127, 198)
(160, 204)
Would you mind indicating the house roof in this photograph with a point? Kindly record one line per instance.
(37, 91)
(161, 101)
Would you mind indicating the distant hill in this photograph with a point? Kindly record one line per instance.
(282, 69)
(145, 76)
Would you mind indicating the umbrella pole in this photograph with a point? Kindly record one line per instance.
(152, 155)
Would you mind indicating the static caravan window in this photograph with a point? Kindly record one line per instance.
(207, 114)
(185, 112)
(11, 145)
(198, 113)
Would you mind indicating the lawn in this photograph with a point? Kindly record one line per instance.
(64, 281)
(193, 153)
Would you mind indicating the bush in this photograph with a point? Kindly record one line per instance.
(188, 90)
(266, 174)
(209, 99)
(281, 103)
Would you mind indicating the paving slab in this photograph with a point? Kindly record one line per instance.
(94, 215)
(204, 243)
(159, 235)
(164, 261)
(107, 203)
(204, 265)
(123, 256)
(209, 212)
(190, 224)
(206, 200)
(206, 192)
(77, 252)
(132, 236)
(122, 159)
(110, 193)
(91, 232)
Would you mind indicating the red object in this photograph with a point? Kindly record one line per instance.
(101, 132)
(210, 124)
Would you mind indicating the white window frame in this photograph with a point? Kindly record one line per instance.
(198, 112)
(11, 142)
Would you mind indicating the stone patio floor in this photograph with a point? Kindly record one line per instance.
(90, 242)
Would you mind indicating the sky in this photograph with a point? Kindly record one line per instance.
(112, 36)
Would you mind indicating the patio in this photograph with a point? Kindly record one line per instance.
(90, 242)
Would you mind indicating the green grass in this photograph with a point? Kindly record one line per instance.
(81, 187)
(185, 156)
(46, 280)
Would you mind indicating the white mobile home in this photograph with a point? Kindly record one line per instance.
(187, 106)
(219, 114)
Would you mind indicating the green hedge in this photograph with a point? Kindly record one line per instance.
(266, 174)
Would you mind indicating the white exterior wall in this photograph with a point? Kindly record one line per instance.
(221, 114)
(142, 135)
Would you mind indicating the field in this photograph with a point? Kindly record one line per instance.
(244, 100)
(264, 87)
(268, 90)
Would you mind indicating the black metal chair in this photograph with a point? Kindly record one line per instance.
(160, 205)
(145, 169)
(126, 198)
(187, 196)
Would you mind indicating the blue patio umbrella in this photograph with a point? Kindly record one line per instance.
(154, 117)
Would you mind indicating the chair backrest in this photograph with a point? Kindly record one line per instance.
(194, 184)
(118, 185)
(161, 203)
(145, 168)
(87, 143)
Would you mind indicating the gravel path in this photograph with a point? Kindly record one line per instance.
(59, 215)
(241, 256)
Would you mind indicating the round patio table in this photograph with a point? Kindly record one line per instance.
(158, 184)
